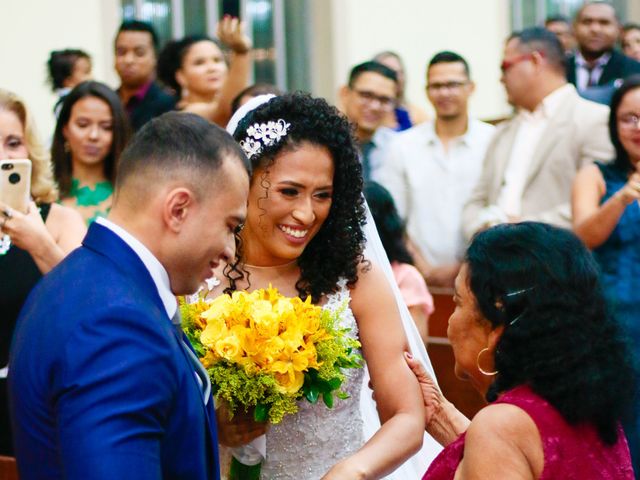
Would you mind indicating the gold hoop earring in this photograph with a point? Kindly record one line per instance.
(484, 372)
(67, 149)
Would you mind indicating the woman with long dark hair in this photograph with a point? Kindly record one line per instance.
(91, 132)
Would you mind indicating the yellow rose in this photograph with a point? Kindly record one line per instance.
(289, 380)
(229, 348)
(215, 330)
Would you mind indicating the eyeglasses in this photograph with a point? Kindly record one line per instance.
(629, 121)
(386, 103)
(507, 64)
(451, 86)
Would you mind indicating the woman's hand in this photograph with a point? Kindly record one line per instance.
(443, 421)
(27, 231)
(239, 430)
(631, 190)
(230, 31)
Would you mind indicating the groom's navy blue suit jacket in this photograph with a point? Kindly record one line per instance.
(100, 384)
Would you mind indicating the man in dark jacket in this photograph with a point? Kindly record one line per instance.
(597, 68)
(135, 61)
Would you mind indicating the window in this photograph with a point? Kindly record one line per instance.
(529, 13)
(278, 28)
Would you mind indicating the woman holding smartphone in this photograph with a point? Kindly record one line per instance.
(31, 242)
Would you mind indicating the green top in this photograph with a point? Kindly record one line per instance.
(92, 197)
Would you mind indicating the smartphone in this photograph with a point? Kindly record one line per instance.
(15, 184)
(231, 8)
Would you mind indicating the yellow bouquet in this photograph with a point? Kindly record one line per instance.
(264, 351)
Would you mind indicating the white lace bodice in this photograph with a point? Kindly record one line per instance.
(305, 445)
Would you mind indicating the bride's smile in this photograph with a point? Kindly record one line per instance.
(291, 199)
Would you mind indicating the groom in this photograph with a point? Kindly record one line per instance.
(102, 384)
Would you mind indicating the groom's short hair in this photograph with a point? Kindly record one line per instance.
(174, 146)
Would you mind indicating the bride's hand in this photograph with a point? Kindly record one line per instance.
(239, 430)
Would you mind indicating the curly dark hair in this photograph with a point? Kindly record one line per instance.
(542, 284)
(337, 249)
(389, 224)
(173, 54)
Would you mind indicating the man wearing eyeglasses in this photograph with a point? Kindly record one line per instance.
(532, 160)
(366, 100)
(431, 169)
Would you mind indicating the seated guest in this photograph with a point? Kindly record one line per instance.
(597, 68)
(405, 115)
(135, 62)
(432, 168)
(531, 332)
(532, 160)
(31, 244)
(606, 216)
(561, 27)
(393, 235)
(67, 68)
(91, 133)
(368, 97)
(631, 40)
(196, 68)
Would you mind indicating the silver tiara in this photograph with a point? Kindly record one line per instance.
(263, 134)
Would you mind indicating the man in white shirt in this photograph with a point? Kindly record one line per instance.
(431, 169)
(532, 160)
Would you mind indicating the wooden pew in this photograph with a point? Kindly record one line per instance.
(458, 392)
(8, 468)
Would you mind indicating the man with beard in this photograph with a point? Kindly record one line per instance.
(597, 68)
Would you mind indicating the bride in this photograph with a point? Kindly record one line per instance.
(304, 235)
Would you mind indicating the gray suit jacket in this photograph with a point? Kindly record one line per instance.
(577, 135)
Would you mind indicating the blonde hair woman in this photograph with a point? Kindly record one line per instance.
(31, 243)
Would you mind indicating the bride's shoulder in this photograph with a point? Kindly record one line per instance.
(371, 282)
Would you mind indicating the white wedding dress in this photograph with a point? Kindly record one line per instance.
(304, 446)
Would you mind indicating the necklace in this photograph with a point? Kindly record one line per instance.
(277, 268)
(89, 197)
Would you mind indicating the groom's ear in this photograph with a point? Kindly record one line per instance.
(177, 205)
